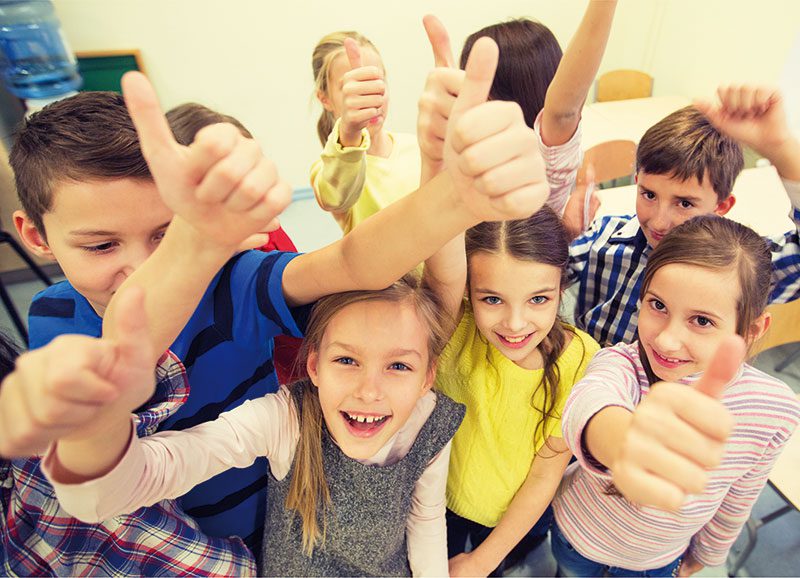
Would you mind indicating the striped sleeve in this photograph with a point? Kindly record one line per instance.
(610, 380)
(786, 253)
(710, 546)
(561, 165)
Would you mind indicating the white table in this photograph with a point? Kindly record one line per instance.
(626, 119)
(761, 201)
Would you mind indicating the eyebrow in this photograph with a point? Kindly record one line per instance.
(393, 352)
(102, 233)
(548, 289)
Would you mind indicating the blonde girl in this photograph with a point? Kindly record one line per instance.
(363, 166)
(358, 451)
(675, 420)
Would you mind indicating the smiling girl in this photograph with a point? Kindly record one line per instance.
(358, 452)
(647, 430)
(512, 362)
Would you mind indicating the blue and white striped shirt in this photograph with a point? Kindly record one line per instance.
(608, 261)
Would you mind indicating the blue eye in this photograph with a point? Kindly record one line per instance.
(539, 300)
(492, 300)
(345, 361)
(399, 366)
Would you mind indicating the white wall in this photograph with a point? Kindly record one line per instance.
(251, 58)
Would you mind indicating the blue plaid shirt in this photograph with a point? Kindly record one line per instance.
(608, 261)
(38, 538)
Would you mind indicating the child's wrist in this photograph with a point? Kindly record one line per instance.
(785, 157)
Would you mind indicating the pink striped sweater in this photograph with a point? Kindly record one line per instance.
(609, 529)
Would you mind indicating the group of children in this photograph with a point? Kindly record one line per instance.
(433, 426)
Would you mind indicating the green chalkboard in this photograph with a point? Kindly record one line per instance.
(103, 72)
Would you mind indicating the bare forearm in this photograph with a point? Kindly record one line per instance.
(605, 432)
(576, 72)
(93, 456)
(174, 277)
(446, 273)
(785, 157)
(368, 257)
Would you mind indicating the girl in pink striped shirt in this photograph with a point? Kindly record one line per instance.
(667, 474)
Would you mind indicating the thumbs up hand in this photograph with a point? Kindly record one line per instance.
(364, 97)
(221, 184)
(676, 434)
(491, 154)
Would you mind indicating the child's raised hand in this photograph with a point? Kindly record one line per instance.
(491, 154)
(363, 96)
(64, 389)
(438, 97)
(221, 184)
(751, 115)
(677, 433)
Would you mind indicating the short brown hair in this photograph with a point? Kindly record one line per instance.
(187, 119)
(717, 243)
(84, 137)
(529, 58)
(685, 145)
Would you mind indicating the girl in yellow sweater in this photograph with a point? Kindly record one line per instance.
(512, 362)
(363, 167)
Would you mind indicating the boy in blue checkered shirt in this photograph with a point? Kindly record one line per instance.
(686, 165)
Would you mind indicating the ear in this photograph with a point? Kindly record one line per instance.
(312, 366)
(430, 378)
(30, 236)
(725, 206)
(759, 327)
(325, 101)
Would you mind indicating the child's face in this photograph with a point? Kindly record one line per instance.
(371, 368)
(99, 232)
(684, 315)
(515, 304)
(663, 202)
(334, 101)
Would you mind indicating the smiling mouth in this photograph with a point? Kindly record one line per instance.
(668, 362)
(364, 426)
(515, 342)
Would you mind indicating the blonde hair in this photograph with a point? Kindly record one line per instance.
(325, 52)
(309, 494)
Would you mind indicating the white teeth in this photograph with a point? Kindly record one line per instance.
(366, 418)
(515, 339)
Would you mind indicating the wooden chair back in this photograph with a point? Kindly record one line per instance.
(785, 326)
(623, 85)
(612, 159)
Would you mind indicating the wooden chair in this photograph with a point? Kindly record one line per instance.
(610, 160)
(785, 328)
(623, 85)
(784, 480)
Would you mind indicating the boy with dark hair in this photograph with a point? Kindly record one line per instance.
(686, 165)
(102, 228)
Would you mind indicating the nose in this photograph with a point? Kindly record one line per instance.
(670, 338)
(133, 259)
(370, 387)
(662, 220)
(515, 321)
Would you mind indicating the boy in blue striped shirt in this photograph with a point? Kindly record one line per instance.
(686, 165)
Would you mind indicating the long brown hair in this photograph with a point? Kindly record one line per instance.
(309, 495)
(713, 242)
(541, 238)
(529, 58)
(325, 52)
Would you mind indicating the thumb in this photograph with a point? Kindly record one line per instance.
(723, 367)
(155, 137)
(131, 332)
(440, 41)
(353, 51)
(479, 75)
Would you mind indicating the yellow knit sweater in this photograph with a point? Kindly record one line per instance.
(494, 448)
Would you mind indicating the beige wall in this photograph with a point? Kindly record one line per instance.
(250, 58)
